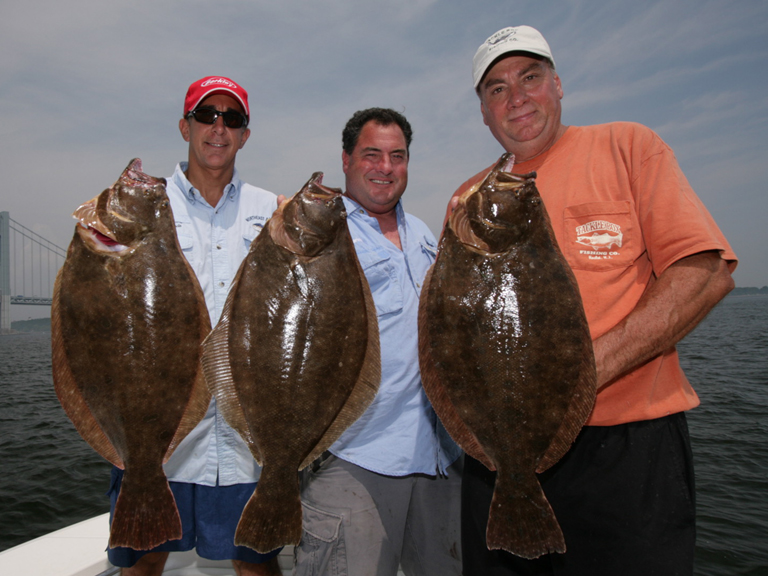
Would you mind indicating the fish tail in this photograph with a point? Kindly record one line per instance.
(521, 520)
(145, 513)
(272, 517)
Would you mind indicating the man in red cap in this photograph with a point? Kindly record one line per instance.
(212, 473)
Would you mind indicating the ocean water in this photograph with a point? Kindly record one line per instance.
(50, 478)
(726, 360)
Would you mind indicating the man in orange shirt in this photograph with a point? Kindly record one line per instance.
(650, 263)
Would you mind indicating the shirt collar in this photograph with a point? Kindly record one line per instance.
(353, 207)
(190, 192)
(355, 210)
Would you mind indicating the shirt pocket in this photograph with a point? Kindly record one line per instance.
(251, 227)
(249, 236)
(382, 279)
(186, 235)
(420, 265)
(601, 236)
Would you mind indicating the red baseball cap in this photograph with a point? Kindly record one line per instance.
(204, 87)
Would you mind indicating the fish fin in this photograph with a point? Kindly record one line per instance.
(145, 513)
(200, 396)
(444, 408)
(218, 375)
(68, 392)
(272, 517)
(521, 520)
(367, 384)
(582, 403)
(199, 400)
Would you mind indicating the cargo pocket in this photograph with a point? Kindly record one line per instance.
(321, 550)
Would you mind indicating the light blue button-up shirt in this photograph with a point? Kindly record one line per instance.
(215, 240)
(399, 434)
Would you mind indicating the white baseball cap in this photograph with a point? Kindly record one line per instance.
(511, 39)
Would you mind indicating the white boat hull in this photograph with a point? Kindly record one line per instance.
(80, 550)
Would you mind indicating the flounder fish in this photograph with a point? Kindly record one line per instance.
(127, 320)
(295, 358)
(505, 351)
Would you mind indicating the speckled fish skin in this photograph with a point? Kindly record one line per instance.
(127, 320)
(295, 359)
(505, 351)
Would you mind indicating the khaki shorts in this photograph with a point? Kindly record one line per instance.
(359, 523)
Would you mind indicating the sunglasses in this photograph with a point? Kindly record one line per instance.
(232, 118)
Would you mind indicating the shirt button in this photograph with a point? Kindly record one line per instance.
(221, 284)
(218, 246)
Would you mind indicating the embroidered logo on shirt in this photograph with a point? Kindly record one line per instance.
(602, 237)
(257, 222)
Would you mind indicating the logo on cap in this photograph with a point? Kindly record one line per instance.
(501, 35)
(223, 81)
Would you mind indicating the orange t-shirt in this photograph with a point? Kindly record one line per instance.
(623, 212)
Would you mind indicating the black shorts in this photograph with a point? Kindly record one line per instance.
(624, 498)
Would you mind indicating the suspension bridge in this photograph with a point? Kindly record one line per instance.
(28, 267)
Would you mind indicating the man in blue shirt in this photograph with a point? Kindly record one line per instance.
(388, 491)
(212, 473)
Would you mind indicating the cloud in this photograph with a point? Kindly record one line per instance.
(88, 85)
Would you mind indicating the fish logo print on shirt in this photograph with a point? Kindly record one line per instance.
(601, 239)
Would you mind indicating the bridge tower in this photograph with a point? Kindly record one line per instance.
(5, 273)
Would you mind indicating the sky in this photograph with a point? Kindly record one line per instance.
(87, 85)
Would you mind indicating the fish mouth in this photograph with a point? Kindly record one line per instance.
(90, 227)
(303, 224)
(93, 231)
(487, 211)
(493, 225)
(317, 192)
(99, 242)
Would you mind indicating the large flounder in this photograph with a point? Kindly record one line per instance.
(295, 357)
(127, 320)
(505, 351)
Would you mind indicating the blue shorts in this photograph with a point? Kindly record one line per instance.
(209, 517)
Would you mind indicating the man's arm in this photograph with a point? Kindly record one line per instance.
(679, 299)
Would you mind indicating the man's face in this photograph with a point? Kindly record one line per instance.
(214, 146)
(377, 169)
(520, 101)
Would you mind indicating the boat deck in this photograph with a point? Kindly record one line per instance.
(80, 550)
